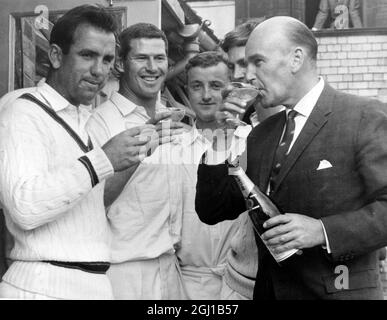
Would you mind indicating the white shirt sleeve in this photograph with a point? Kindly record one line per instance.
(326, 246)
(237, 147)
(100, 163)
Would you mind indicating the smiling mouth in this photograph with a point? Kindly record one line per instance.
(150, 78)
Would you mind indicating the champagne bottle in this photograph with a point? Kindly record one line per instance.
(259, 206)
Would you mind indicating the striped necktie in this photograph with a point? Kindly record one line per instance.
(283, 148)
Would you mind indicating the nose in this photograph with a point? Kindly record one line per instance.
(206, 95)
(239, 73)
(98, 68)
(251, 76)
(151, 64)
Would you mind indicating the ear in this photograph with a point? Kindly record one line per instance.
(298, 58)
(119, 65)
(55, 55)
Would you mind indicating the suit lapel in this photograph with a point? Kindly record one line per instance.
(315, 122)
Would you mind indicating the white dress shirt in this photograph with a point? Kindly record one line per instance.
(304, 108)
(145, 219)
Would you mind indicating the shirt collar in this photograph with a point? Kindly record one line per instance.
(125, 106)
(191, 136)
(306, 104)
(55, 100)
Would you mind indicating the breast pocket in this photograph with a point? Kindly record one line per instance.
(329, 188)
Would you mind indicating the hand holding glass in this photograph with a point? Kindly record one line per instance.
(177, 114)
(245, 93)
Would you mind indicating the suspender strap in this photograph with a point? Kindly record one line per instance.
(59, 120)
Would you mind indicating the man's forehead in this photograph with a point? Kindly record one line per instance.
(236, 53)
(210, 73)
(148, 44)
(84, 30)
(89, 36)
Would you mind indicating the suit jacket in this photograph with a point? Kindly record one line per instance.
(350, 197)
(327, 10)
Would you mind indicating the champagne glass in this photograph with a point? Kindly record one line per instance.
(177, 113)
(246, 93)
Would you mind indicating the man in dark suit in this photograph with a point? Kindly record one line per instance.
(331, 181)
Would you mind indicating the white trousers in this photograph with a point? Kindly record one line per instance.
(11, 292)
(153, 279)
(227, 293)
(202, 283)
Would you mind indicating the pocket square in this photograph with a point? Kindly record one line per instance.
(324, 164)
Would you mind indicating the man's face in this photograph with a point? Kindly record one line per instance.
(146, 67)
(205, 87)
(269, 68)
(237, 63)
(84, 70)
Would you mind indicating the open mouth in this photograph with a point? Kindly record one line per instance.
(150, 79)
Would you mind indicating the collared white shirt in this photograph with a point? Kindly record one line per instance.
(304, 108)
(145, 219)
(116, 115)
(75, 117)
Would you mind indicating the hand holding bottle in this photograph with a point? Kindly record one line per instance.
(261, 211)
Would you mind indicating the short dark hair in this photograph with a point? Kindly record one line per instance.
(62, 33)
(137, 31)
(206, 59)
(239, 36)
(299, 34)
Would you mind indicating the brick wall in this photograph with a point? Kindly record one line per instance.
(355, 63)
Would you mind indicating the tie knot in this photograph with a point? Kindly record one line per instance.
(292, 114)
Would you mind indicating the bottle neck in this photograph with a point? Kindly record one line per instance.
(244, 182)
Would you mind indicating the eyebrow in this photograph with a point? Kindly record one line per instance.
(89, 51)
(194, 81)
(255, 57)
(95, 53)
(145, 54)
(216, 82)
